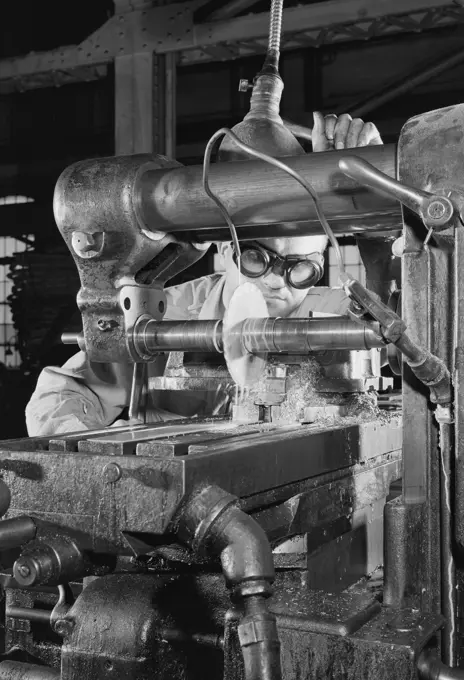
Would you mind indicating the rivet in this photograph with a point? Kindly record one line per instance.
(112, 472)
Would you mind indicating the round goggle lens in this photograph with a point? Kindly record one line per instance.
(253, 262)
(301, 274)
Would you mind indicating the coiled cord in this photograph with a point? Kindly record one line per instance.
(275, 29)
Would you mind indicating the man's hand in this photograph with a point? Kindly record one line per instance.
(342, 132)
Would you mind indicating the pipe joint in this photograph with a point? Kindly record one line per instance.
(259, 640)
(245, 553)
(212, 524)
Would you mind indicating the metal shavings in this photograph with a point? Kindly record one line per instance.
(301, 392)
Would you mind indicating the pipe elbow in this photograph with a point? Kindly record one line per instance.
(244, 551)
(211, 523)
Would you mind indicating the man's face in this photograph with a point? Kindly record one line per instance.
(280, 296)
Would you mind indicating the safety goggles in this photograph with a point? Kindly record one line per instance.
(300, 271)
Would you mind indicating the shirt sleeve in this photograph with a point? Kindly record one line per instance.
(79, 396)
(83, 395)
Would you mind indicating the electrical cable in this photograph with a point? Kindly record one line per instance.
(225, 132)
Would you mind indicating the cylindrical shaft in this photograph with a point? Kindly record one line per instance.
(264, 201)
(293, 336)
(28, 614)
(16, 531)
(300, 336)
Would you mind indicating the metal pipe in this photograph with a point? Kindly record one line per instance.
(264, 201)
(406, 84)
(16, 531)
(28, 614)
(293, 336)
(430, 667)
(448, 567)
(212, 522)
(15, 670)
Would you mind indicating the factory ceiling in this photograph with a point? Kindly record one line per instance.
(54, 43)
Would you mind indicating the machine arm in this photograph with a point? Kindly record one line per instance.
(130, 222)
(435, 211)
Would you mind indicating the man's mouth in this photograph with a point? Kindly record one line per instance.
(270, 296)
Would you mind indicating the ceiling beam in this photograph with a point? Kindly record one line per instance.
(407, 83)
(171, 28)
(230, 9)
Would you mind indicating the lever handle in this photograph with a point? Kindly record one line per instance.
(435, 211)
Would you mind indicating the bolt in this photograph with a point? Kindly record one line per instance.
(436, 210)
(64, 627)
(105, 325)
(112, 472)
(398, 247)
(244, 85)
(24, 570)
(87, 245)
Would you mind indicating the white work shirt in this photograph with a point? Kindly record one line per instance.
(87, 395)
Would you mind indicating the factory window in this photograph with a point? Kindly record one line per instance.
(9, 355)
(10, 200)
(353, 265)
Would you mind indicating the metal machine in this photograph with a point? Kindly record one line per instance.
(210, 548)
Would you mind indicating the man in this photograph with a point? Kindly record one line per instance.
(84, 395)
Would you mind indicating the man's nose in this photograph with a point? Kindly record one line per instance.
(275, 278)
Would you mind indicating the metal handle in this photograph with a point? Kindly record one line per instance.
(435, 211)
(299, 131)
